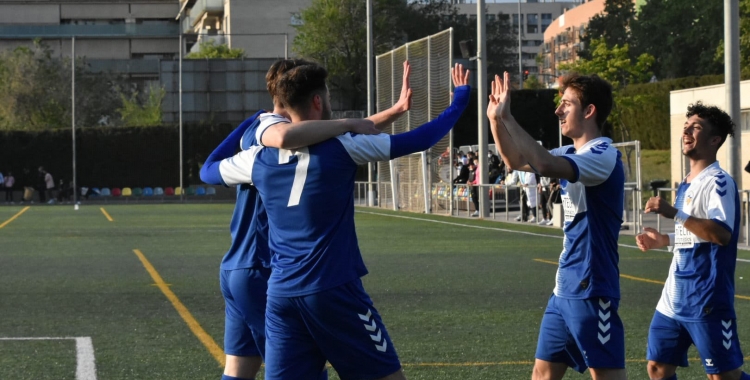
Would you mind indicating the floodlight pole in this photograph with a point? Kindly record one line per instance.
(370, 97)
(732, 80)
(483, 168)
(73, 116)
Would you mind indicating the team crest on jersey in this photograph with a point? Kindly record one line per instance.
(688, 198)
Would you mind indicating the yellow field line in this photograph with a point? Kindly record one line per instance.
(194, 326)
(12, 218)
(106, 214)
(629, 277)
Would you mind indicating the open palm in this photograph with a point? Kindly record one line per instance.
(498, 106)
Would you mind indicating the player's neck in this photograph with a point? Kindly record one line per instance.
(697, 165)
(588, 135)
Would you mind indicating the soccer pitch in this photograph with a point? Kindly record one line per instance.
(132, 292)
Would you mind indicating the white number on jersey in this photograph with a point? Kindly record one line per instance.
(300, 173)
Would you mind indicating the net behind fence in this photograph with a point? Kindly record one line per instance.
(411, 177)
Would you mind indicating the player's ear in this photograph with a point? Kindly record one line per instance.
(317, 102)
(589, 111)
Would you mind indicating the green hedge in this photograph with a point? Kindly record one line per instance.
(111, 157)
(651, 123)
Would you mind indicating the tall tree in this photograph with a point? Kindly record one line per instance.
(617, 67)
(681, 35)
(35, 90)
(612, 25)
(333, 32)
(744, 41)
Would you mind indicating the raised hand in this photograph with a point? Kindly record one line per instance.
(650, 239)
(404, 101)
(459, 75)
(500, 97)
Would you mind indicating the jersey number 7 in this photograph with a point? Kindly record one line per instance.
(300, 173)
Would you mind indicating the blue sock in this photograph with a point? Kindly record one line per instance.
(744, 376)
(227, 377)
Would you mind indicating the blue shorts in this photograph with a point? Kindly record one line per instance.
(716, 340)
(583, 334)
(339, 325)
(244, 293)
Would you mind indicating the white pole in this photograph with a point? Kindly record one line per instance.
(732, 79)
(286, 45)
(450, 138)
(370, 97)
(484, 204)
(73, 116)
(182, 189)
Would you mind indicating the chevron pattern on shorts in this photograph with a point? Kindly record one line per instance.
(375, 334)
(604, 324)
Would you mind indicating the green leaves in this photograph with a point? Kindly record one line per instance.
(210, 49)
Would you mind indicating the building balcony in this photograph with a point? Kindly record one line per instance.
(88, 31)
(203, 7)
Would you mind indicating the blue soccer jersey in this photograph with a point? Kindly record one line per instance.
(592, 206)
(308, 195)
(249, 225)
(700, 284)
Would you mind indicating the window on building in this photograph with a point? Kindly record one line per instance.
(546, 21)
(491, 17)
(515, 21)
(745, 121)
(532, 23)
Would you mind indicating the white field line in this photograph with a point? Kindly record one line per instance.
(85, 360)
(498, 229)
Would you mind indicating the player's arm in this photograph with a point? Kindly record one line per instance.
(707, 229)
(300, 134)
(513, 139)
(210, 171)
(387, 117)
(429, 134)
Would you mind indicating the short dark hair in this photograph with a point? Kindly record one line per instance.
(278, 69)
(295, 87)
(591, 89)
(721, 123)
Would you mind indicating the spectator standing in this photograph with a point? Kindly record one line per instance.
(2, 181)
(49, 184)
(41, 185)
(544, 191)
(463, 173)
(8, 183)
(528, 202)
(474, 180)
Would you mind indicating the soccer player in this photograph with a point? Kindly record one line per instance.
(317, 309)
(697, 303)
(581, 327)
(245, 268)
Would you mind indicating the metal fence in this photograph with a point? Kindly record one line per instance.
(411, 177)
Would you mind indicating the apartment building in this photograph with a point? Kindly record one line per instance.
(536, 18)
(263, 28)
(103, 30)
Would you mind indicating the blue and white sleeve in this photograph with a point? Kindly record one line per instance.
(210, 170)
(593, 167)
(383, 147)
(722, 201)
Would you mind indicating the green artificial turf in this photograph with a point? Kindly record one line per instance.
(462, 299)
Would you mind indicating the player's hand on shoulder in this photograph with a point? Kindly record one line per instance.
(362, 127)
(460, 75)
